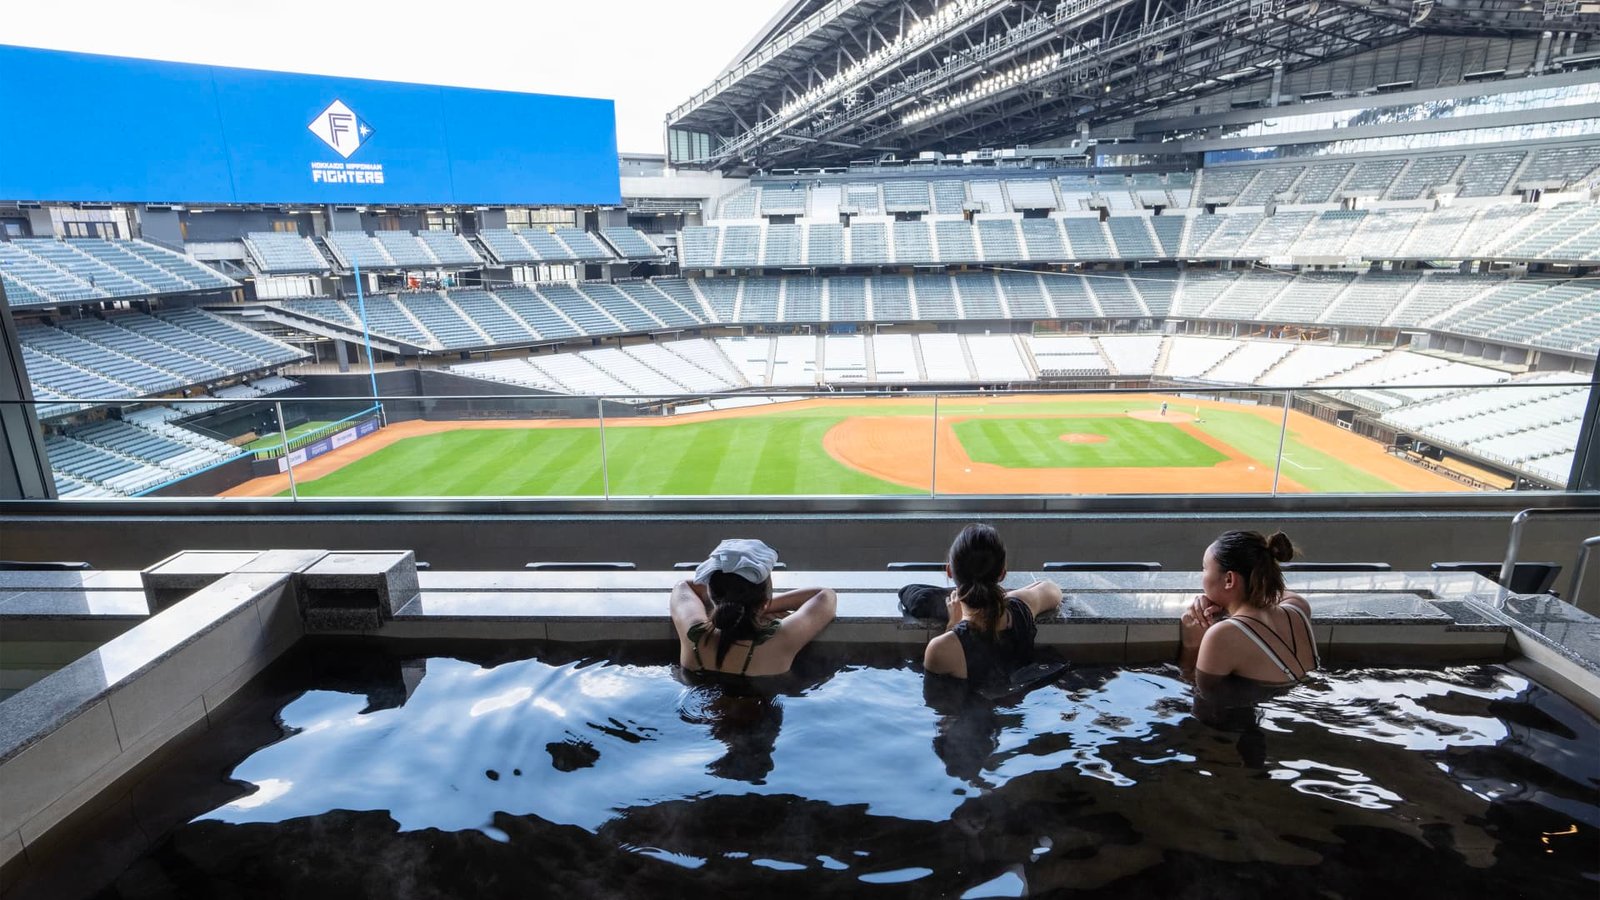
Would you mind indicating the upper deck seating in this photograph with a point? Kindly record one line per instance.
(284, 252)
(631, 243)
(449, 248)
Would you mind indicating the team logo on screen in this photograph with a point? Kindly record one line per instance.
(340, 128)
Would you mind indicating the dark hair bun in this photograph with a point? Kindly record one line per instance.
(727, 616)
(1279, 546)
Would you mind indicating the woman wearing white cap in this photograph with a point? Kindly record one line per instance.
(730, 604)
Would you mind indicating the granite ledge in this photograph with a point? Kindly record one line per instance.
(62, 696)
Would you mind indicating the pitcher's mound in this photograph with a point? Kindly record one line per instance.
(1078, 437)
(1153, 415)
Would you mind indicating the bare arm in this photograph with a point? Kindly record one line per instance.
(789, 601)
(688, 606)
(1196, 622)
(805, 623)
(1041, 596)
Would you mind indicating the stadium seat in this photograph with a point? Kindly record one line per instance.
(1336, 567)
(1102, 567)
(581, 566)
(1526, 577)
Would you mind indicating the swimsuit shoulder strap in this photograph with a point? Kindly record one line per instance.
(1256, 639)
(697, 633)
(1311, 637)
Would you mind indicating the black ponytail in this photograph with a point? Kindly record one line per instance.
(737, 603)
(1255, 557)
(977, 563)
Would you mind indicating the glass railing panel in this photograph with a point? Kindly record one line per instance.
(1346, 435)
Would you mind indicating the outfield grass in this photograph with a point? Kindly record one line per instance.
(1037, 444)
(1318, 471)
(757, 455)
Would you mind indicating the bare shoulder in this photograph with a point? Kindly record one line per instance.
(1296, 601)
(943, 655)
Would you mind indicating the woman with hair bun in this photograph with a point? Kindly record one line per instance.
(730, 604)
(1245, 623)
(990, 630)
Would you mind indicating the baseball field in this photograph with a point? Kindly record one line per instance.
(1025, 444)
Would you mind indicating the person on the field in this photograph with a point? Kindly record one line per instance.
(1245, 623)
(729, 622)
(990, 630)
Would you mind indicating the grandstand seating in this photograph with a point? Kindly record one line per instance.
(133, 354)
(283, 253)
(449, 248)
(1559, 166)
(1068, 356)
(913, 243)
(581, 244)
(780, 246)
(354, 248)
(579, 309)
(695, 364)
(620, 306)
(44, 272)
(869, 244)
(406, 249)
(1487, 174)
(506, 247)
(1505, 230)
(1130, 354)
(759, 300)
(576, 374)
(895, 358)
(631, 243)
(944, 358)
(115, 458)
(495, 320)
(1424, 174)
(905, 196)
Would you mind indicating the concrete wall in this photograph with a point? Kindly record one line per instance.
(815, 540)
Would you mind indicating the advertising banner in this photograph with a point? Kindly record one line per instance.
(160, 132)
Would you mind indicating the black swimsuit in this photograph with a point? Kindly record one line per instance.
(699, 630)
(993, 660)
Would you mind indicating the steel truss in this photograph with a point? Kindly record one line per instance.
(860, 79)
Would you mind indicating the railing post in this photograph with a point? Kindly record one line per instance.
(288, 462)
(1283, 434)
(933, 473)
(605, 464)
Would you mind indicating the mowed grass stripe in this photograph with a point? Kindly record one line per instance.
(756, 455)
(1037, 444)
(1316, 471)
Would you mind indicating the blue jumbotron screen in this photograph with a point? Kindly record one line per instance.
(108, 129)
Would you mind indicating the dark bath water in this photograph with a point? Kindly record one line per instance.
(367, 774)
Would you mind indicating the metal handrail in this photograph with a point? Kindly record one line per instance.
(1508, 567)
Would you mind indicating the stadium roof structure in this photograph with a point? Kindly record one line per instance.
(829, 81)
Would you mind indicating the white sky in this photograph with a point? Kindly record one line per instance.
(647, 55)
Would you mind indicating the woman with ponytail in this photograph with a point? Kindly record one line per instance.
(990, 630)
(1267, 636)
(730, 604)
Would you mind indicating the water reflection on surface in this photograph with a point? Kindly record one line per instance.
(601, 777)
